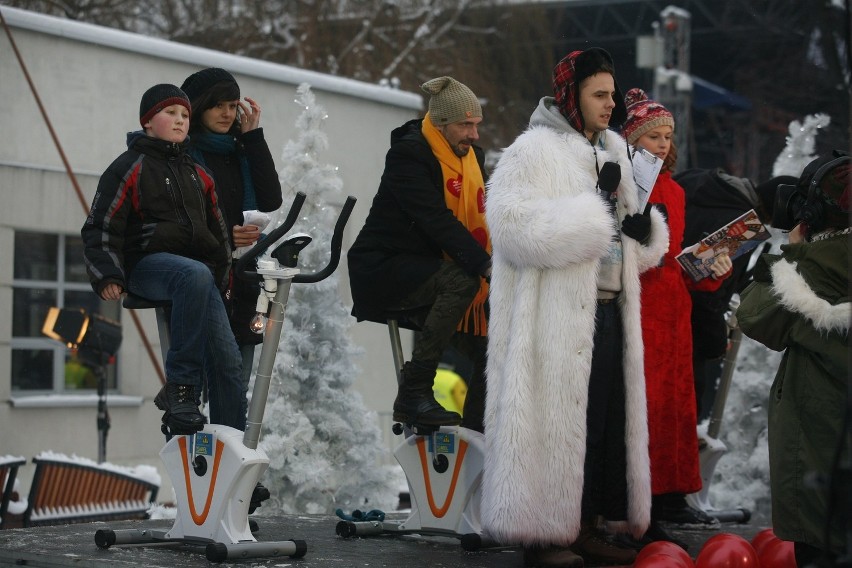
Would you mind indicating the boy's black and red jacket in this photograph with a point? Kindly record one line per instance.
(153, 198)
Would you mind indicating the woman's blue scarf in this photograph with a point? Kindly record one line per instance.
(224, 144)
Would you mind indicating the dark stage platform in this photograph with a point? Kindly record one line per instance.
(74, 545)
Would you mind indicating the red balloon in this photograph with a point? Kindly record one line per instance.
(727, 551)
(667, 548)
(660, 560)
(777, 554)
(763, 538)
(721, 537)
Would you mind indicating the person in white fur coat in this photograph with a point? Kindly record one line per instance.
(566, 430)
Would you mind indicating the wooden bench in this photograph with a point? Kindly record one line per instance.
(74, 490)
(8, 472)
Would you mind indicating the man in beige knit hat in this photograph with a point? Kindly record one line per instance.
(425, 251)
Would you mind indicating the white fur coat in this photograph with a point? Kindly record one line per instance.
(549, 230)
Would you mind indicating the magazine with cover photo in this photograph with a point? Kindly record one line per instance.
(738, 237)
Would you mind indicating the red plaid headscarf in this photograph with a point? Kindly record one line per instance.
(567, 76)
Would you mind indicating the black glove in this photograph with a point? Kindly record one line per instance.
(762, 270)
(746, 277)
(638, 226)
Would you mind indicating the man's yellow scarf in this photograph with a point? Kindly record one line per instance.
(464, 194)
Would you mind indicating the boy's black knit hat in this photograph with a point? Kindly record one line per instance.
(159, 97)
(196, 84)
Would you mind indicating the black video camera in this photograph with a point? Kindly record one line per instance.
(789, 200)
(804, 201)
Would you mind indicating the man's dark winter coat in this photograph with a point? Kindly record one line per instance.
(408, 228)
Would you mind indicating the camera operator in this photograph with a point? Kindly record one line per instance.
(799, 304)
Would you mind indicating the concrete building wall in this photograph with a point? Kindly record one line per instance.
(90, 81)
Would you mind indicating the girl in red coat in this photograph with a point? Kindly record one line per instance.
(666, 332)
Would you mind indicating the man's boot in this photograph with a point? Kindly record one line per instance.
(258, 496)
(415, 402)
(180, 407)
(600, 549)
(551, 557)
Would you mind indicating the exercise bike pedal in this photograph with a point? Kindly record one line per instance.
(419, 429)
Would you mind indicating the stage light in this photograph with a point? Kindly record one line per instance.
(97, 340)
(67, 326)
(90, 334)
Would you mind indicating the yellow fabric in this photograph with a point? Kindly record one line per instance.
(464, 194)
(449, 390)
(78, 376)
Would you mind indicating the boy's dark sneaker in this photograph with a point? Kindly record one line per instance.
(258, 496)
(685, 517)
(180, 409)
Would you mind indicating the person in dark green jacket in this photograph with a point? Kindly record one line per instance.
(425, 248)
(799, 304)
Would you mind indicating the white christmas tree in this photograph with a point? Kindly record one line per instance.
(741, 478)
(801, 142)
(325, 447)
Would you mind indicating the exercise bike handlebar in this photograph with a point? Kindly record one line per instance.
(248, 259)
(336, 246)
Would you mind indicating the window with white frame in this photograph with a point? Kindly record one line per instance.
(49, 271)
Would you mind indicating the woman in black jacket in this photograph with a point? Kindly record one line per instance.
(225, 137)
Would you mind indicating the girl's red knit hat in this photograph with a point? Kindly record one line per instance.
(643, 115)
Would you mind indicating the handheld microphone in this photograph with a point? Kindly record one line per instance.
(608, 179)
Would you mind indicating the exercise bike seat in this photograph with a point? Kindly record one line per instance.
(134, 302)
(162, 309)
(412, 318)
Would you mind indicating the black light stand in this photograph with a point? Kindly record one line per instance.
(97, 340)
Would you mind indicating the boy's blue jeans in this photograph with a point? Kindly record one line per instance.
(199, 328)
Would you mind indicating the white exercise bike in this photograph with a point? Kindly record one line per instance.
(215, 470)
(443, 467)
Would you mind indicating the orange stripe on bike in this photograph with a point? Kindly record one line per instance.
(421, 447)
(199, 519)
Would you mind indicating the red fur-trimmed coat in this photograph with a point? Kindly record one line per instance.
(666, 332)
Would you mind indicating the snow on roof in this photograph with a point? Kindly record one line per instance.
(10, 459)
(157, 47)
(143, 472)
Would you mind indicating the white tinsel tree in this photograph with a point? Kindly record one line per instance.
(801, 143)
(325, 447)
